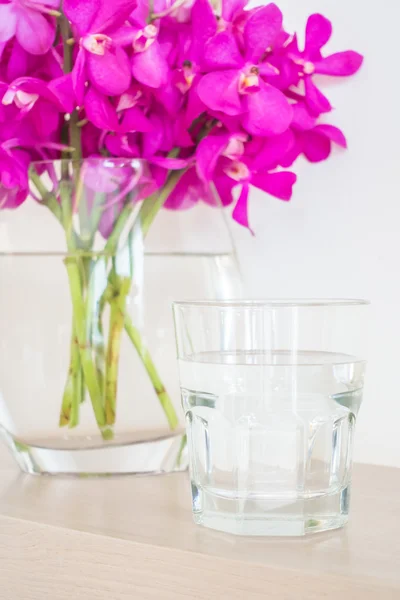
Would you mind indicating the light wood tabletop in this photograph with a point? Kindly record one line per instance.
(133, 538)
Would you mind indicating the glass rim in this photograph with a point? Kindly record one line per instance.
(270, 303)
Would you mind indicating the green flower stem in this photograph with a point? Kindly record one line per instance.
(88, 366)
(159, 388)
(69, 414)
(117, 313)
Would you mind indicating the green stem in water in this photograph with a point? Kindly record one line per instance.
(72, 397)
(88, 367)
(159, 388)
(117, 318)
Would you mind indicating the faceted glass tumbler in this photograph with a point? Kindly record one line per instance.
(271, 392)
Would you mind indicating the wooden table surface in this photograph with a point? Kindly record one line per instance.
(133, 538)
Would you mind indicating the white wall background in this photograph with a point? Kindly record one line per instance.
(340, 235)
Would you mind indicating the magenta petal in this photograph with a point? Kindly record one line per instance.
(135, 120)
(231, 7)
(240, 212)
(273, 151)
(293, 153)
(333, 133)
(100, 111)
(8, 22)
(81, 14)
(79, 76)
(62, 89)
(112, 14)
(267, 70)
(111, 73)
(278, 184)
(340, 64)
(35, 32)
(153, 140)
(18, 62)
(187, 192)
(169, 163)
(219, 91)
(261, 30)
(207, 154)
(224, 186)
(316, 101)
(45, 118)
(318, 33)
(221, 52)
(194, 106)
(316, 147)
(268, 112)
(302, 119)
(150, 67)
(204, 26)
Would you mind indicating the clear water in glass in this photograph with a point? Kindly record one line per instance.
(270, 438)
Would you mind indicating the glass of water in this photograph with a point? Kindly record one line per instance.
(271, 391)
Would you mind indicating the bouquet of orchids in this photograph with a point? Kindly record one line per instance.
(213, 101)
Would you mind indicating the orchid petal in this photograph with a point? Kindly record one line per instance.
(221, 52)
(278, 184)
(268, 112)
(194, 106)
(224, 186)
(81, 14)
(220, 91)
(62, 89)
(45, 118)
(169, 163)
(18, 62)
(150, 67)
(35, 32)
(301, 117)
(240, 212)
(100, 111)
(187, 192)
(261, 30)
(78, 76)
(135, 120)
(273, 151)
(230, 8)
(318, 33)
(267, 70)
(316, 101)
(112, 14)
(8, 22)
(316, 147)
(332, 133)
(111, 73)
(204, 26)
(340, 64)
(152, 140)
(207, 154)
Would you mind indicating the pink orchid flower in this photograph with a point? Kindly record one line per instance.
(222, 158)
(236, 84)
(100, 59)
(311, 61)
(31, 22)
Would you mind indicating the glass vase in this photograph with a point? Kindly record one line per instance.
(271, 392)
(89, 267)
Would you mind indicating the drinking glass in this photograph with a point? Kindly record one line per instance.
(271, 392)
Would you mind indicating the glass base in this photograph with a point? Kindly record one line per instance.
(149, 456)
(272, 516)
